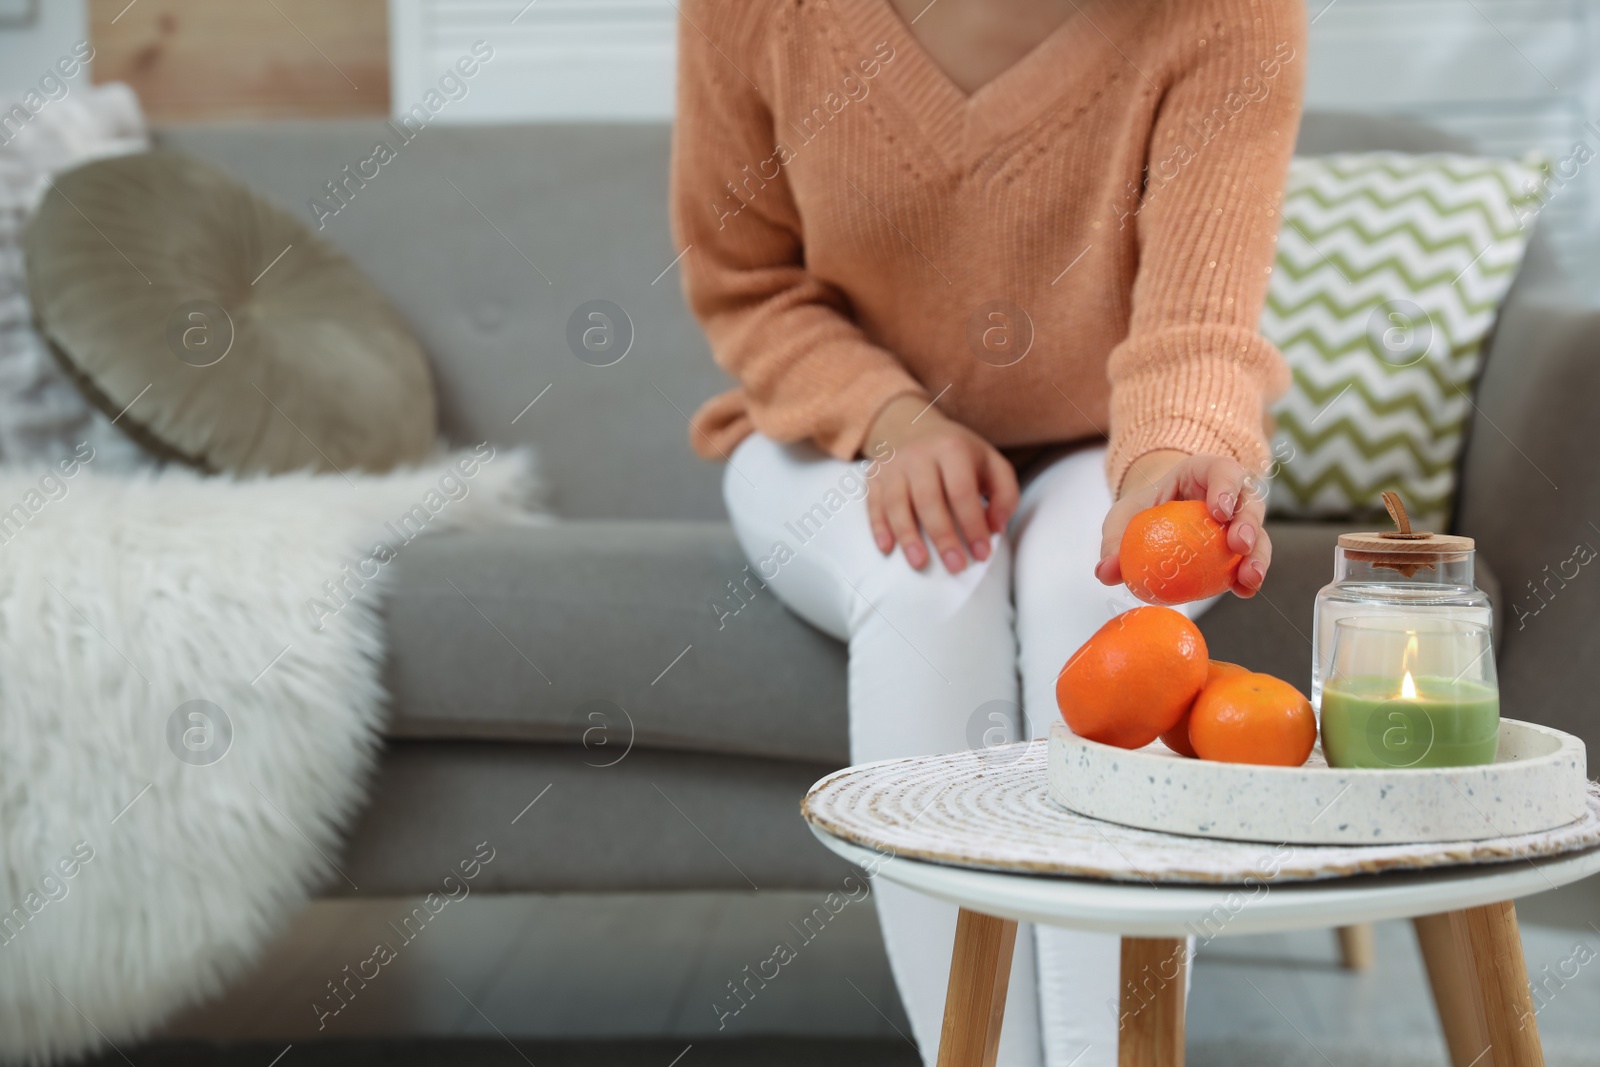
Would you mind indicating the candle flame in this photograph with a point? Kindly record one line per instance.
(1408, 686)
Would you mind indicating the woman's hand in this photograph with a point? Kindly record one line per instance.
(938, 478)
(1230, 494)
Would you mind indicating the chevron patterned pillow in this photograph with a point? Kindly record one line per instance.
(1390, 271)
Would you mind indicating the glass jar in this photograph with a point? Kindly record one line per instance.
(1410, 692)
(1395, 574)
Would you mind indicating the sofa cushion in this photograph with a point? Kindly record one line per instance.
(605, 634)
(657, 820)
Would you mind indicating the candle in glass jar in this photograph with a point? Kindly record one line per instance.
(1417, 721)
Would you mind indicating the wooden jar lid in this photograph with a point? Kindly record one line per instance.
(1404, 549)
(1413, 546)
(1417, 544)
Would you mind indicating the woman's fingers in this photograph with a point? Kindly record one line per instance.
(1253, 568)
(1234, 498)
(1231, 497)
(903, 521)
(882, 535)
(1221, 486)
(1109, 569)
(1000, 485)
(1248, 536)
(1245, 530)
(927, 495)
(960, 477)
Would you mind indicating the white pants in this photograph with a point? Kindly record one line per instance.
(934, 665)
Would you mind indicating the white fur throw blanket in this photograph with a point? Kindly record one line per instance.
(189, 712)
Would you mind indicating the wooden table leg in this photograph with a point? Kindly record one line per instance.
(1480, 984)
(1455, 990)
(1495, 946)
(975, 1001)
(1356, 950)
(1153, 993)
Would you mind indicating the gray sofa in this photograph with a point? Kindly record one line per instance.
(584, 665)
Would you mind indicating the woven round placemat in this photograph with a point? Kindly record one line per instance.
(991, 810)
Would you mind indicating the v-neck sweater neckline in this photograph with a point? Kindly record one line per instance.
(964, 126)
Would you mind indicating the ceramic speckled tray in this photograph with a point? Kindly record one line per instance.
(991, 810)
(1539, 781)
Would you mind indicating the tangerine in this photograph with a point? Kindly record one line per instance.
(1253, 718)
(1177, 738)
(1176, 552)
(1134, 678)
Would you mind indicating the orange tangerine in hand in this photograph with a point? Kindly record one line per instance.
(1134, 678)
(1176, 552)
(1177, 738)
(1253, 718)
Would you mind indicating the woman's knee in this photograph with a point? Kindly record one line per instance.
(907, 597)
(792, 492)
(800, 518)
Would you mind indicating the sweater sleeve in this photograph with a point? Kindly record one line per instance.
(805, 370)
(1194, 374)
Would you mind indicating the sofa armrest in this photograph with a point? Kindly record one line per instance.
(1530, 496)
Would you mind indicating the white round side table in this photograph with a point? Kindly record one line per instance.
(1466, 923)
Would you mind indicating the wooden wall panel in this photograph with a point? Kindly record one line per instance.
(245, 59)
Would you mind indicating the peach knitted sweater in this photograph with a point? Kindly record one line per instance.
(1079, 248)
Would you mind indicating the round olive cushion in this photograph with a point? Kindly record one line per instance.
(218, 330)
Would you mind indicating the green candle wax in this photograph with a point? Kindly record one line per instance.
(1441, 722)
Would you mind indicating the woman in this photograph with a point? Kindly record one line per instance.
(939, 244)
